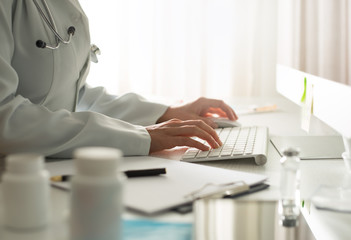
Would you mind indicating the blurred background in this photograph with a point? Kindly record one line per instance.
(184, 49)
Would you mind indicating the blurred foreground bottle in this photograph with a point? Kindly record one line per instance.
(96, 200)
(26, 192)
(289, 204)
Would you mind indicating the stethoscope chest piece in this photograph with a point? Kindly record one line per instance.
(94, 51)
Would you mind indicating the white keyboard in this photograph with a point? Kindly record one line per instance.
(238, 143)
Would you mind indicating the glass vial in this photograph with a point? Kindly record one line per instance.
(289, 207)
(96, 200)
(26, 193)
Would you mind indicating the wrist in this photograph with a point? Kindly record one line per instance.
(167, 115)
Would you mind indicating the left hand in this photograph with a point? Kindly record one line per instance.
(201, 109)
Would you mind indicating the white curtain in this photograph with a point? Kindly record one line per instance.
(183, 49)
(314, 36)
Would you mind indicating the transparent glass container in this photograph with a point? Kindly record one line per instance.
(289, 207)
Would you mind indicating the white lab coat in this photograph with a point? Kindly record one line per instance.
(45, 105)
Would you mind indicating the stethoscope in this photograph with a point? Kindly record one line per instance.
(49, 20)
(51, 24)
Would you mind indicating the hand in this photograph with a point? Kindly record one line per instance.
(201, 109)
(176, 132)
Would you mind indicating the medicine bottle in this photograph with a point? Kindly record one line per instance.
(26, 195)
(289, 207)
(96, 196)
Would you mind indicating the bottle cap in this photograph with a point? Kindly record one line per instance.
(97, 161)
(289, 222)
(24, 163)
(291, 152)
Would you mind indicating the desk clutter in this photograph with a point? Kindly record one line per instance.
(156, 194)
(99, 191)
(96, 198)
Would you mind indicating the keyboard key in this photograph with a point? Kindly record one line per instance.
(238, 142)
(202, 154)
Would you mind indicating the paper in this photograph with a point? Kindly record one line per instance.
(307, 106)
(303, 98)
(158, 193)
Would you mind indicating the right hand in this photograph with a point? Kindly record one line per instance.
(175, 132)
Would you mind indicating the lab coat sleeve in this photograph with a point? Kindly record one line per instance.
(28, 127)
(130, 107)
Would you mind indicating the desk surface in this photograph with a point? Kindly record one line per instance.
(244, 219)
(283, 122)
(286, 122)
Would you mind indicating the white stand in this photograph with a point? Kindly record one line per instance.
(337, 198)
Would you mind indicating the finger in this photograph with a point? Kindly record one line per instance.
(200, 122)
(189, 142)
(214, 103)
(206, 125)
(169, 142)
(172, 122)
(228, 111)
(209, 122)
(216, 112)
(194, 131)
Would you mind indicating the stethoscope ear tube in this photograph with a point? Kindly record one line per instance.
(41, 44)
(71, 30)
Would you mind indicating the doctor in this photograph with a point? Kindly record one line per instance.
(46, 106)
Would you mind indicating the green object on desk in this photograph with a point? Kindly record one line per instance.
(303, 98)
(156, 230)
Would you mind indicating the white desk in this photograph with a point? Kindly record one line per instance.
(283, 122)
(286, 122)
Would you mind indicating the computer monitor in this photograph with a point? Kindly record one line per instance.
(327, 100)
(330, 102)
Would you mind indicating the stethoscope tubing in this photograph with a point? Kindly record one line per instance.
(51, 24)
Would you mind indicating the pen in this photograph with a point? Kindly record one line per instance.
(129, 174)
(145, 172)
(267, 108)
(255, 109)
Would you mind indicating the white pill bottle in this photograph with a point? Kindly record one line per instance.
(26, 195)
(96, 196)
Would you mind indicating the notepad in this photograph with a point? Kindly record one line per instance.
(150, 195)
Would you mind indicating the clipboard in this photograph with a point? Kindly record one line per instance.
(155, 194)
